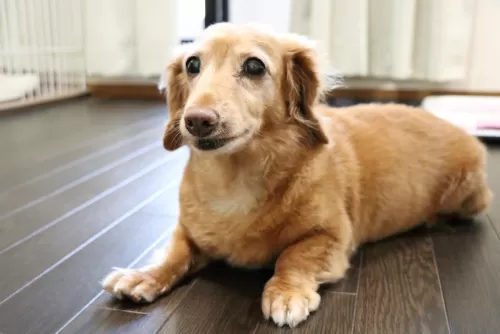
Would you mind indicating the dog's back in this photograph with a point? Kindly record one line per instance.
(413, 166)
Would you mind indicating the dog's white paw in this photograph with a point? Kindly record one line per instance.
(133, 284)
(288, 305)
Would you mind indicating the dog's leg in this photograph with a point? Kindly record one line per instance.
(291, 294)
(149, 282)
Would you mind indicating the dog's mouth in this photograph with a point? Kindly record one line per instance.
(211, 144)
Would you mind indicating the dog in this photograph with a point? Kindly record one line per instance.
(277, 177)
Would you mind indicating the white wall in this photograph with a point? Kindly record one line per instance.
(275, 13)
(191, 14)
(129, 37)
(133, 38)
(112, 34)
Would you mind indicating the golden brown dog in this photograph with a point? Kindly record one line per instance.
(275, 177)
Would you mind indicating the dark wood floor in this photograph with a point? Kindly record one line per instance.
(86, 185)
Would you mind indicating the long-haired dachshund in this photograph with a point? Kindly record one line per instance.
(275, 177)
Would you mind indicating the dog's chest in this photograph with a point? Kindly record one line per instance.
(238, 250)
(241, 202)
(225, 241)
(241, 196)
(233, 223)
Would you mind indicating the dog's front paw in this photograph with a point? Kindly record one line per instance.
(136, 285)
(288, 304)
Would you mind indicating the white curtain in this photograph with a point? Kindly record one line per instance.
(129, 38)
(426, 40)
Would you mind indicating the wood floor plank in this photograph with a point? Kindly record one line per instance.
(233, 279)
(494, 183)
(221, 301)
(334, 316)
(75, 153)
(21, 157)
(49, 302)
(77, 109)
(468, 260)
(46, 248)
(107, 312)
(24, 159)
(231, 298)
(59, 133)
(399, 290)
(22, 128)
(82, 111)
(20, 224)
(71, 177)
(104, 321)
(222, 283)
(245, 283)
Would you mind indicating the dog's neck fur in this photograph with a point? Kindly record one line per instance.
(242, 181)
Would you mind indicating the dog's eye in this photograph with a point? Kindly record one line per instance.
(193, 65)
(254, 67)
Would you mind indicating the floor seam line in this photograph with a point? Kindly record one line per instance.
(118, 310)
(354, 313)
(434, 260)
(341, 293)
(490, 220)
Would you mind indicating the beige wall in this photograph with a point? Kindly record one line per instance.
(484, 73)
(484, 59)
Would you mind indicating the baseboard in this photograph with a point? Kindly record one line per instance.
(149, 91)
(129, 91)
(401, 94)
(16, 106)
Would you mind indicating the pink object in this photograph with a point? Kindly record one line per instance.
(479, 115)
(490, 124)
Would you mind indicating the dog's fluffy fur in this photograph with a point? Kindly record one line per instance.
(300, 185)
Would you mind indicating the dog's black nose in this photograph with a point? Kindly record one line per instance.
(201, 122)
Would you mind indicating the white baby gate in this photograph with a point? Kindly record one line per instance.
(41, 51)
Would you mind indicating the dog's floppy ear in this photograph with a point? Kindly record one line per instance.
(177, 92)
(302, 84)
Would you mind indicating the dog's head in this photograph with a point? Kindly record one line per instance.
(237, 82)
